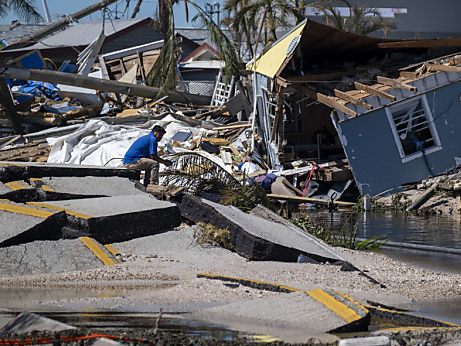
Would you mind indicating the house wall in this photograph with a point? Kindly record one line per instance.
(372, 150)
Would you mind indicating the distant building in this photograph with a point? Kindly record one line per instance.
(413, 19)
(65, 44)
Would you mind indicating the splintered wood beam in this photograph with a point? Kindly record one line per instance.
(373, 91)
(347, 97)
(395, 83)
(408, 74)
(332, 103)
(443, 68)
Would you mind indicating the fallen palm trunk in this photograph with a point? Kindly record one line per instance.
(99, 84)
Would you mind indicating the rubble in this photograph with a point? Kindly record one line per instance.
(288, 133)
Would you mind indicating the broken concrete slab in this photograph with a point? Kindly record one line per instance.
(119, 218)
(255, 238)
(285, 316)
(49, 257)
(20, 223)
(269, 215)
(12, 171)
(28, 322)
(102, 186)
(21, 192)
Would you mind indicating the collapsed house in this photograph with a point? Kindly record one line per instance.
(294, 76)
(401, 130)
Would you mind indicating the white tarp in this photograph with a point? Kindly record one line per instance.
(98, 143)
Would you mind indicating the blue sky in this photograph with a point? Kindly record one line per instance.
(60, 7)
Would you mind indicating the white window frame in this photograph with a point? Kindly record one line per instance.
(430, 121)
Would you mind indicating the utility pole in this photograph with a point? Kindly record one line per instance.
(47, 12)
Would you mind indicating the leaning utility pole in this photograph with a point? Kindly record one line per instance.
(30, 39)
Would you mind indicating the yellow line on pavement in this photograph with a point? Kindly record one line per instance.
(249, 282)
(43, 186)
(112, 250)
(340, 309)
(58, 208)
(264, 338)
(15, 185)
(352, 300)
(17, 209)
(411, 329)
(94, 247)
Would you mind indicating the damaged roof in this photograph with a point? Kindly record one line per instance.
(82, 34)
(311, 36)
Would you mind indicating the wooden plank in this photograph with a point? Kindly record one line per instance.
(395, 83)
(373, 91)
(429, 43)
(310, 200)
(6, 100)
(330, 102)
(232, 127)
(352, 99)
(423, 198)
(443, 68)
(141, 67)
(278, 114)
(409, 74)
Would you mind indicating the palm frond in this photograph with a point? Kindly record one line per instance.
(24, 9)
(224, 45)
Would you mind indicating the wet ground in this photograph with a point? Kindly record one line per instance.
(422, 230)
(437, 231)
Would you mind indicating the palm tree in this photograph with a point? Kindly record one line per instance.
(248, 17)
(361, 21)
(164, 71)
(23, 8)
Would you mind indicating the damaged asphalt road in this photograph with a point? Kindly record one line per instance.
(130, 239)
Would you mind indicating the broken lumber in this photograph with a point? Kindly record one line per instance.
(311, 200)
(423, 198)
(330, 102)
(99, 84)
(443, 68)
(347, 97)
(395, 83)
(374, 91)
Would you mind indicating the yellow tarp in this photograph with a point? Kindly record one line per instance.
(270, 62)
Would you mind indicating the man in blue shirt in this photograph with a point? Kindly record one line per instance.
(143, 155)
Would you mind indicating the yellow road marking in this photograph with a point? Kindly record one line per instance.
(112, 250)
(17, 209)
(94, 247)
(340, 309)
(58, 208)
(247, 282)
(44, 187)
(264, 338)
(15, 185)
(410, 329)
